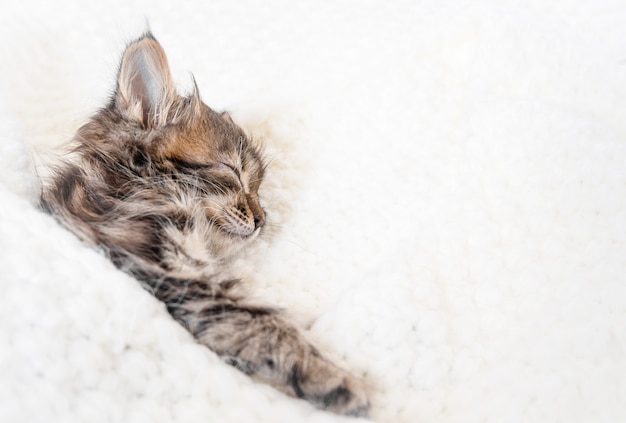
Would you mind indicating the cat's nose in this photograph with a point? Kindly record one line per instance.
(258, 214)
(259, 220)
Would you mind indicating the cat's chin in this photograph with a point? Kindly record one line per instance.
(237, 234)
(232, 241)
(242, 239)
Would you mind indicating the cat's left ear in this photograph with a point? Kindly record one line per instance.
(145, 91)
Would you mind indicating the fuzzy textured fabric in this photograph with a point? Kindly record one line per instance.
(446, 202)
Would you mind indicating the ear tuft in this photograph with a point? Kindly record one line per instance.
(145, 91)
(196, 100)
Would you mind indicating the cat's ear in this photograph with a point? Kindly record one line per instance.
(145, 91)
(227, 117)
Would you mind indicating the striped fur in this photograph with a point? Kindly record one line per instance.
(168, 188)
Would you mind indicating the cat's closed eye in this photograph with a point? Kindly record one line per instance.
(228, 167)
(220, 166)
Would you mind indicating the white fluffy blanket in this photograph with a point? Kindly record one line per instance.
(447, 198)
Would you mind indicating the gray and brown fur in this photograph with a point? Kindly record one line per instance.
(167, 187)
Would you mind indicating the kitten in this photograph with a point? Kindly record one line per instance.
(168, 188)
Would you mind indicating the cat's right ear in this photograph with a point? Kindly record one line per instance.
(145, 91)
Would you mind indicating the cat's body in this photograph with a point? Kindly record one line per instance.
(168, 188)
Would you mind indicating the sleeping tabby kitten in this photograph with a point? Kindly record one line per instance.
(167, 187)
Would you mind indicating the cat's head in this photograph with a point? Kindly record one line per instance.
(174, 154)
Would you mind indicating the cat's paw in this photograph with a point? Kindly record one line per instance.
(330, 388)
(349, 397)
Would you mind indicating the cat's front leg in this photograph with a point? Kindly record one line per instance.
(264, 345)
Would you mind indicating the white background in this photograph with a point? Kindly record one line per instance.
(447, 205)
